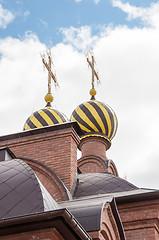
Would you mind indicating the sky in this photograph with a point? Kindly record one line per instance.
(124, 38)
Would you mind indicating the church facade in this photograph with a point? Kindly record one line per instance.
(47, 193)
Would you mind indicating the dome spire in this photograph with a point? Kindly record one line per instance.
(95, 118)
(94, 74)
(49, 97)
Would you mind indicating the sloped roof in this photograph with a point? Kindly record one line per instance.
(61, 219)
(21, 192)
(100, 183)
(88, 212)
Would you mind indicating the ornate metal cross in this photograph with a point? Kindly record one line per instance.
(50, 73)
(94, 73)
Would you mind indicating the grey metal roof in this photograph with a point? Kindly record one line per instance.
(61, 219)
(100, 183)
(6, 154)
(139, 194)
(20, 190)
(48, 201)
(88, 212)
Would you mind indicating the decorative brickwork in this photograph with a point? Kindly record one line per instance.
(91, 163)
(112, 168)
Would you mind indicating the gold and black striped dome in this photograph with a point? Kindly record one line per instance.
(95, 117)
(44, 117)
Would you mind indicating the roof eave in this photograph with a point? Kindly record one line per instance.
(152, 195)
(44, 220)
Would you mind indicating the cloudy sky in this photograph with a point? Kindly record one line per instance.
(124, 37)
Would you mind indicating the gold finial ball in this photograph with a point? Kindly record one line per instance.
(49, 97)
(92, 92)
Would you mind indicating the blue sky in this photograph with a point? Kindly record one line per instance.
(47, 18)
(124, 37)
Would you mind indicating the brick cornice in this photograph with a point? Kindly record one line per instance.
(41, 137)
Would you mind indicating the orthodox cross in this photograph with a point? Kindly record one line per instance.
(50, 73)
(94, 73)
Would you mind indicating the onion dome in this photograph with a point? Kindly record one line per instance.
(45, 117)
(97, 118)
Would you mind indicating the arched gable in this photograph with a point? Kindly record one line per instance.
(92, 163)
(49, 179)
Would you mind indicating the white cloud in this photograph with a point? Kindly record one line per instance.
(149, 15)
(26, 13)
(96, 1)
(5, 17)
(44, 23)
(81, 38)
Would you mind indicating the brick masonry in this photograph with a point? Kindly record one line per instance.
(94, 146)
(57, 149)
(140, 220)
(46, 234)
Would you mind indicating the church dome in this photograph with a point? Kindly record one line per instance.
(44, 117)
(94, 117)
(97, 118)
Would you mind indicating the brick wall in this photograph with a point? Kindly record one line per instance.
(49, 180)
(109, 229)
(47, 234)
(94, 146)
(94, 159)
(140, 220)
(92, 164)
(57, 149)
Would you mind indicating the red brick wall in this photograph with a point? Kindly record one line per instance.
(94, 146)
(92, 164)
(56, 149)
(109, 229)
(94, 159)
(47, 234)
(140, 220)
(49, 181)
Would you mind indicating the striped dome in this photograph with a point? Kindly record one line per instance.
(96, 117)
(44, 117)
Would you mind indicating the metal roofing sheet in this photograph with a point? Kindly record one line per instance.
(100, 183)
(20, 191)
(87, 211)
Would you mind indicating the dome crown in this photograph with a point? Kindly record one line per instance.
(47, 116)
(44, 117)
(95, 117)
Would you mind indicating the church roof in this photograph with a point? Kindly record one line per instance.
(95, 117)
(100, 183)
(44, 117)
(88, 212)
(21, 191)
